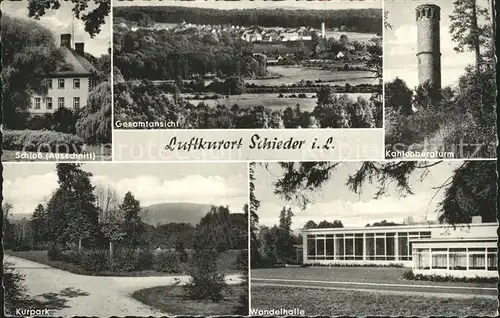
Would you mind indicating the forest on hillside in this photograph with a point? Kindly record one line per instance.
(356, 20)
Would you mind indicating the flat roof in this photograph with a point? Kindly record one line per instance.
(400, 227)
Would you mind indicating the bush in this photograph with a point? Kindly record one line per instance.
(207, 283)
(241, 262)
(43, 141)
(40, 122)
(14, 287)
(71, 256)
(144, 260)
(167, 262)
(95, 260)
(124, 260)
(54, 252)
(409, 275)
(302, 95)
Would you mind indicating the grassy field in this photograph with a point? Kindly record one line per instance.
(383, 275)
(171, 300)
(225, 263)
(293, 74)
(268, 100)
(357, 303)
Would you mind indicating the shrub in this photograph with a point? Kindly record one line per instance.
(95, 260)
(124, 260)
(15, 288)
(409, 275)
(71, 256)
(167, 262)
(207, 283)
(54, 252)
(40, 122)
(36, 140)
(241, 262)
(302, 95)
(144, 260)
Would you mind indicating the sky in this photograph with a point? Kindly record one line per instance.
(401, 43)
(28, 184)
(60, 21)
(245, 4)
(336, 202)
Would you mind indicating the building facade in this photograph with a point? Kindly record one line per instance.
(68, 87)
(464, 250)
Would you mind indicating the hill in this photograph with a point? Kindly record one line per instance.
(163, 213)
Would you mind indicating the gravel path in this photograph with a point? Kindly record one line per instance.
(69, 294)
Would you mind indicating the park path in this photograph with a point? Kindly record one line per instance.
(69, 294)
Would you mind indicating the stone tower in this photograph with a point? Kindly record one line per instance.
(428, 44)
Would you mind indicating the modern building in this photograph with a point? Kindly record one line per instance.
(464, 250)
(428, 44)
(69, 86)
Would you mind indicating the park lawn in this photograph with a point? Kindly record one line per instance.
(358, 303)
(224, 263)
(171, 300)
(383, 275)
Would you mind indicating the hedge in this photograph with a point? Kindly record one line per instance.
(42, 141)
(409, 275)
(167, 262)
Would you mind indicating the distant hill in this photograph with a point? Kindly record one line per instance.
(163, 213)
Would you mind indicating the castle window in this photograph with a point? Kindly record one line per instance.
(60, 83)
(49, 102)
(37, 102)
(76, 83)
(60, 102)
(76, 102)
(49, 83)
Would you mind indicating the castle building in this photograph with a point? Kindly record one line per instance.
(69, 86)
(428, 44)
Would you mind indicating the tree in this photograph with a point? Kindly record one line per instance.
(254, 219)
(110, 217)
(94, 124)
(465, 30)
(16, 291)
(398, 96)
(133, 227)
(284, 239)
(92, 12)
(29, 52)
(8, 226)
(310, 225)
(214, 230)
(325, 224)
(39, 225)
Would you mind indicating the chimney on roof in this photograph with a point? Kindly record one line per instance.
(66, 40)
(80, 48)
(476, 219)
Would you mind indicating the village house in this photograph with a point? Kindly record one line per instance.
(68, 87)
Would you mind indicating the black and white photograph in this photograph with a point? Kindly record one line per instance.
(440, 79)
(103, 240)
(56, 80)
(381, 238)
(247, 64)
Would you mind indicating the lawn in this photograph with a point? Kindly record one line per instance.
(270, 100)
(171, 300)
(225, 263)
(358, 303)
(383, 275)
(293, 74)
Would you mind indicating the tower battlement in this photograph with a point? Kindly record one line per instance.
(428, 11)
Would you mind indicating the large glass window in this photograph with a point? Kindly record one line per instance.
(370, 246)
(358, 246)
(403, 246)
(379, 248)
(330, 246)
(320, 247)
(422, 259)
(458, 259)
(492, 259)
(477, 261)
(389, 246)
(349, 247)
(311, 247)
(339, 247)
(439, 258)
